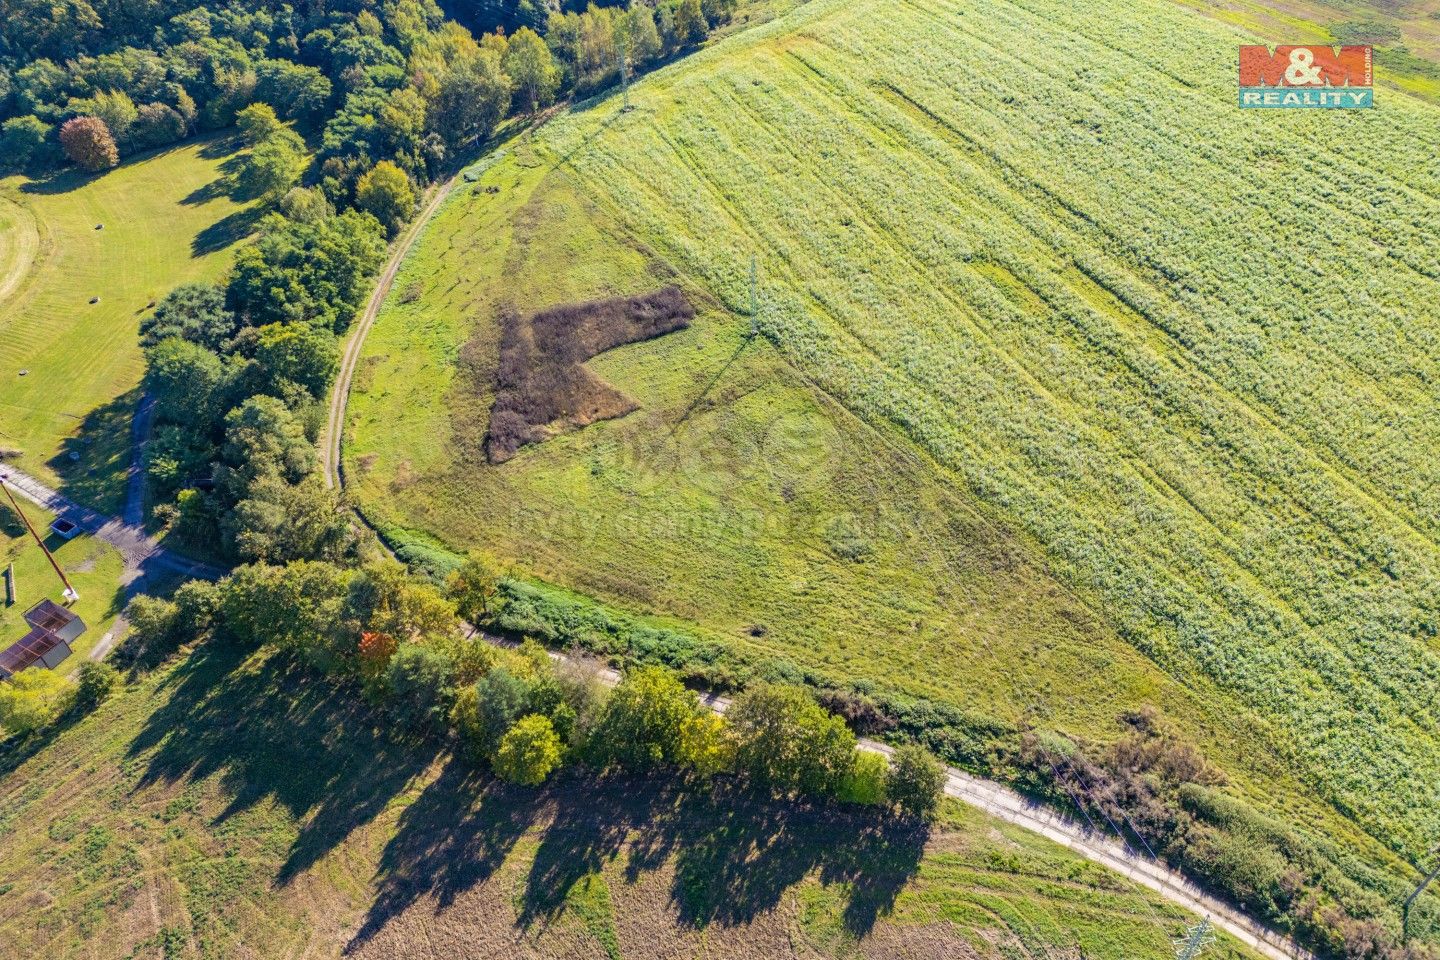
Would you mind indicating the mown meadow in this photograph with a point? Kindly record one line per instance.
(1087, 388)
(123, 240)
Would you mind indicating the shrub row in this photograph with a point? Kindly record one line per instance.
(518, 710)
(1148, 784)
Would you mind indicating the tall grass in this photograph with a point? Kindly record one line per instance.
(1191, 351)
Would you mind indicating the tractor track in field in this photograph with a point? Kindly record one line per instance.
(27, 250)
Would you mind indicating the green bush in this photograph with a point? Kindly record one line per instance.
(529, 751)
(94, 684)
(33, 699)
(490, 707)
(915, 782)
(786, 743)
(418, 684)
(155, 630)
(864, 783)
(643, 722)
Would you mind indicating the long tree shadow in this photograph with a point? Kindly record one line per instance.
(94, 463)
(227, 231)
(272, 729)
(735, 853)
(452, 838)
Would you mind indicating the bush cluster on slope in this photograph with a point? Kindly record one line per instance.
(519, 711)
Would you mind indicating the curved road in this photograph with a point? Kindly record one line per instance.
(335, 423)
(994, 798)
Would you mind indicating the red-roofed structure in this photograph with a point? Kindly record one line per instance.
(52, 629)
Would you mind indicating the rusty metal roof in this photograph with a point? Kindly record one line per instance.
(49, 615)
(28, 650)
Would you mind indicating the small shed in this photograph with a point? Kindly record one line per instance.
(61, 621)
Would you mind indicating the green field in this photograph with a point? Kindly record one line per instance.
(171, 824)
(1065, 401)
(166, 220)
(92, 566)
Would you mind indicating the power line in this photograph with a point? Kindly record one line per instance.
(1195, 941)
(70, 592)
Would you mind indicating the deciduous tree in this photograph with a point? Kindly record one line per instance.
(33, 699)
(534, 77)
(915, 782)
(192, 311)
(643, 723)
(528, 751)
(475, 587)
(88, 144)
(785, 742)
(257, 123)
(385, 193)
(24, 142)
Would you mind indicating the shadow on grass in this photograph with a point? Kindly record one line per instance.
(735, 853)
(227, 231)
(274, 730)
(455, 836)
(60, 181)
(94, 463)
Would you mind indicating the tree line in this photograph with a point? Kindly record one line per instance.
(394, 82)
(239, 370)
(398, 641)
(1147, 781)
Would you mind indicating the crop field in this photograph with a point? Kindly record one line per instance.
(1084, 435)
(170, 824)
(165, 219)
(92, 566)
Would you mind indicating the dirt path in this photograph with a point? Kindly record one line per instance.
(1001, 802)
(994, 798)
(340, 395)
(17, 259)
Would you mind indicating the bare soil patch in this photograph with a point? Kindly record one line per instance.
(542, 387)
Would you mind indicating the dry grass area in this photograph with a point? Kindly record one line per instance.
(541, 384)
(230, 806)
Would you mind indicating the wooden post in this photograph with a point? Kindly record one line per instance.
(9, 584)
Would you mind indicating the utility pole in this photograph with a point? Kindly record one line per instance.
(754, 300)
(1410, 900)
(70, 592)
(1196, 939)
(624, 56)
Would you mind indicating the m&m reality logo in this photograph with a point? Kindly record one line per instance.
(1309, 76)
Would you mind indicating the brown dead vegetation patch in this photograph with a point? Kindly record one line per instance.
(542, 387)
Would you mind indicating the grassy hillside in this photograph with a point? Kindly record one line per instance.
(165, 221)
(1136, 397)
(172, 824)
